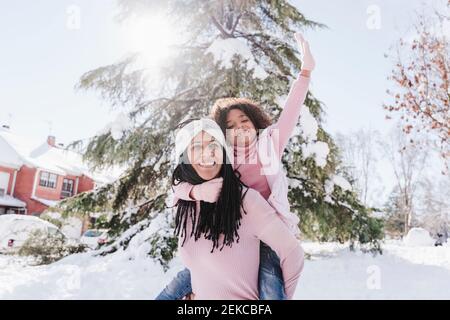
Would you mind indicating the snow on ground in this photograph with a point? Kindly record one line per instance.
(333, 272)
(82, 276)
(400, 273)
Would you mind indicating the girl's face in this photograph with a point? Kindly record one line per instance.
(240, 129)
(205, 155)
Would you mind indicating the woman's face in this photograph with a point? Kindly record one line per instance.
(240, 129)
(205, 155)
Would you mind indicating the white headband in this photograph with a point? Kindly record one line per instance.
(185, 135)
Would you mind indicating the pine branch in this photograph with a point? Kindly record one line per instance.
(220, 27)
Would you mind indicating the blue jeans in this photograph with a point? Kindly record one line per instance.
(270, 279)
(178, 288)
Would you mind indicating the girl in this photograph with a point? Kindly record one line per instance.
(257, 159)
(219, 242)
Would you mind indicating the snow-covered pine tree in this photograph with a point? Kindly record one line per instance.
(241, 48)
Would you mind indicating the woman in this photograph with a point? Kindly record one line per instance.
(219, 242)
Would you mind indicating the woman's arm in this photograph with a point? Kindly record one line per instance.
(268, 227)
(295, 99)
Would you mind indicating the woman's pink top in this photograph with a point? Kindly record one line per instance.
(232, 273)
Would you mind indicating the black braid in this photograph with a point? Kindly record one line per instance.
(215, 219)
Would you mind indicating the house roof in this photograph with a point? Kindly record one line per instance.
(16, 150)
(48, 203)
(9, 201)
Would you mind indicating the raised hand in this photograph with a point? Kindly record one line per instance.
(308, 62)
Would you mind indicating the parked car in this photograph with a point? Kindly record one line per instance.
(441, 239)
(15, 229)
(93, 238)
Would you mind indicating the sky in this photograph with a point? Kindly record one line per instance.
(43, 57)
(352, 70)
(45, 51)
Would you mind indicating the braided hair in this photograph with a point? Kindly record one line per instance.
(214, 219)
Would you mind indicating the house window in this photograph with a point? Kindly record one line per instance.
(48, 180)
(67, 188)
(4, 180)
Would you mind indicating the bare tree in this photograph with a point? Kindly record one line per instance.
(434, 204)
(408, 159)
(358, 152)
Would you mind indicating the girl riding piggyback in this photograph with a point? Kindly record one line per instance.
(258, 147)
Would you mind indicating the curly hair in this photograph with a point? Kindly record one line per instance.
(256, 114)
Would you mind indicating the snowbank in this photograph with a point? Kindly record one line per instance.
(418, 237)
(333, 272)
(336, 273)
(83, 276)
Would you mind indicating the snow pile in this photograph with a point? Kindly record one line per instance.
(123, 274)
(140, 236)
(418, 237)
(335, 180)
(19, 227)
(318, 150)
(426, 255)
(83, 276)
(223, 51)
(337, 273)
(308, 124)
(71, 226)
(342, 182)
(332, 272)
(8, 220)
(118, 127)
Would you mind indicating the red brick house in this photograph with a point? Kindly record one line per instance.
(35, 176)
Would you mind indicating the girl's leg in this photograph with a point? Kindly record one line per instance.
(178, 288)
(270, 280)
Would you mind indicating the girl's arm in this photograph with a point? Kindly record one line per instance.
(268, 227)
(296, 97)
(207, 191)
(182, 191)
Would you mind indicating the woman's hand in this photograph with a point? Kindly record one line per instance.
(308, 63)
(208, 191)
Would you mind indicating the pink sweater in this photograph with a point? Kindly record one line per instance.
(233, 272)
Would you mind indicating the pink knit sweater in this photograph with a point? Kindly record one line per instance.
(233, 272)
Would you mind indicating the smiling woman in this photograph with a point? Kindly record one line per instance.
(205, 155)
